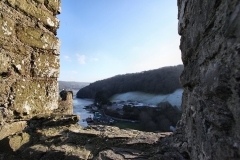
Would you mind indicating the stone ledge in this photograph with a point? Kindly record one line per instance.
(12, 128)
(51, 136)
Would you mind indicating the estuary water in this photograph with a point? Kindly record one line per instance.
(78, 108)
(174, 98)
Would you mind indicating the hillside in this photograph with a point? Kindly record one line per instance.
(73, 86)
(159, 81)
(175, 98)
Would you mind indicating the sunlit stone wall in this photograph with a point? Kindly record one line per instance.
(29, 58)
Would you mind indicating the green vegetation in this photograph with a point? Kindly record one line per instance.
(159, 118)
(101, 99)
(150, 118)
(159, 81)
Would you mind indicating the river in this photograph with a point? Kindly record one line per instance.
(78, 108)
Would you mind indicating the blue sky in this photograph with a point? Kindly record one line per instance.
(104, 38)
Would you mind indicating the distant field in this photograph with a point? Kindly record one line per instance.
(174, 98)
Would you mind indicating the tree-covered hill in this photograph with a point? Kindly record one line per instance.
(159, 81)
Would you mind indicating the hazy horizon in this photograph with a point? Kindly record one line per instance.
(117, 75)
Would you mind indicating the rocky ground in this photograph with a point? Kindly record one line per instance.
(61, 137)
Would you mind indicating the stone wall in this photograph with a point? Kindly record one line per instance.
(29, 58)
(210, 45)
(65, 105)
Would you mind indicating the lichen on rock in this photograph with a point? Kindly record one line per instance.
(37, 38)
(33, 10)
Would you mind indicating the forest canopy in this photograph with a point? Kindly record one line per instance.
(158, 81)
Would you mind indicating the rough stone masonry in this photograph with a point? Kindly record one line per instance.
(29, 58)
(210, 45)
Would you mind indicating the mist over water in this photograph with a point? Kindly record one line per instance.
(174, 98)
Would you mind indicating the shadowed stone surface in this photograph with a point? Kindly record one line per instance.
(210, 43)
(46, 137)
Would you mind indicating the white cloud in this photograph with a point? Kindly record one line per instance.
(81, 58)
(94, 59)
(74, 72)
(67, 58)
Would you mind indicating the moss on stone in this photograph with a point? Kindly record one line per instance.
(46, 65)
(5, 63)
(19, 49)
(28, 57)
(53, 5)
(34, 97)
(7, 27)
(42, 15)
(37, 38)
(17, 141)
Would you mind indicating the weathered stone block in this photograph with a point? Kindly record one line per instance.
(53, 5)
(20, 49)
(5, 63)
(42, 15)
(22, 65)
(15, 60)
(66, 102)
(17, 141)
(7, 27)
(5, 90)
(46, 65)
(34, 97)
(40, 1)
(10, 129)
(38, 38)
